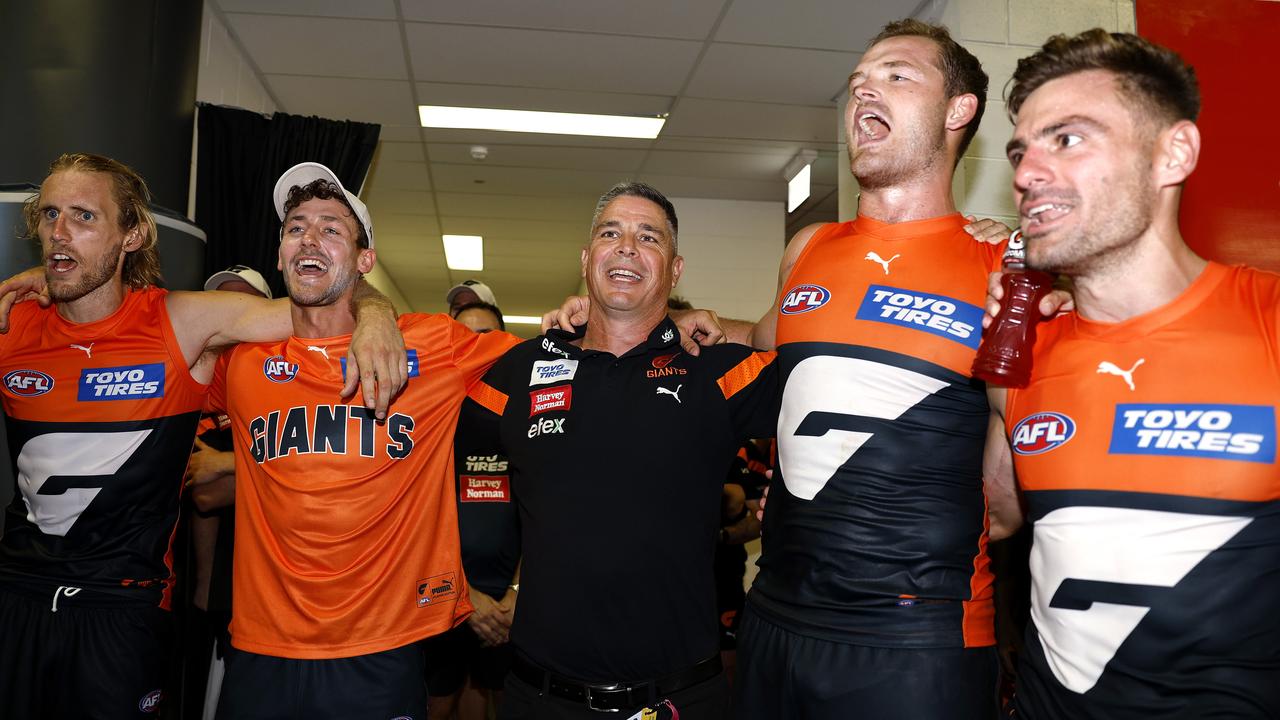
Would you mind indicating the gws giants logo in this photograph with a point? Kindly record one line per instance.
(804, 298)
(1042, 432)
(661, 369)
(279, 370)
(28, 383)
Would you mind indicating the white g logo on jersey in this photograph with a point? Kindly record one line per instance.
(841, 386)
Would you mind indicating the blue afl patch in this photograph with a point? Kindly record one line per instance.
(1224, 432)
(935, 314)
(803, 298)
(128, 382)
(279, 370)
(1042, 432)
(27, 383)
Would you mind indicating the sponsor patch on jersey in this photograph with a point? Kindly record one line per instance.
(549, 345)
(1042, 432)
(411, 361)
(803, 298)
(1224, 432)
(28, 383)
(484, 488)
(550, 399)
(150, 702)
(127, 382)
(549, 371)
(935, 314)
(546, 426)
(279, 370)
(435, 588)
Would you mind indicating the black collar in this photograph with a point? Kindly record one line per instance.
(558, 343)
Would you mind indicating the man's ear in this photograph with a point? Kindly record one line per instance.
(584, 260)
(677, 269)
(1177, 152)
(366, 260)
(961, 110)
(133, 239)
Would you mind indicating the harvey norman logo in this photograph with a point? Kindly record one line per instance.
(484, 488)
(1225, 432)
(549, 371)
(128, 382)
(935, 314)
(550, 399)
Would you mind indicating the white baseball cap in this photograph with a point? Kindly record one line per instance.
(239, 272)
(308, 172)
(481, 290)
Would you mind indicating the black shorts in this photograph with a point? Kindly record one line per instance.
(83, 661)
(708, 700)
(456, 655)
(783, 675)
(376, 686)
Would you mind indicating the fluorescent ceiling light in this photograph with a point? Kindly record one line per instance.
(532, 121)
(522, 319)
(798, 188)
(464, 252)
(797, 174)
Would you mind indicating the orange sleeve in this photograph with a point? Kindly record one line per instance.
(489, 397)
(744, 373)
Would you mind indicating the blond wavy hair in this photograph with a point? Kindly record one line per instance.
(129, 190)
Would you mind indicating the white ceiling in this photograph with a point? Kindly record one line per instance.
(747, 84)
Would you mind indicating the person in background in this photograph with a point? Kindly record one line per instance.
(467, 666)
(211, 484)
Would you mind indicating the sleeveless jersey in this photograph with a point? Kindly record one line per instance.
(346, 528)
(1146, 451)
(875, 532)
(100, 420)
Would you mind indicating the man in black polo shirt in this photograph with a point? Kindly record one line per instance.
(619, 444)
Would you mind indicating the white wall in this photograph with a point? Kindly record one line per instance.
(226, 77)
(731, 252)
(999, 32)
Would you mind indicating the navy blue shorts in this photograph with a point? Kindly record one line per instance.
(378, 686)
(783, 675)
(82, 660)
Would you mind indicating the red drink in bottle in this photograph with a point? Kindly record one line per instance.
(1004, 358)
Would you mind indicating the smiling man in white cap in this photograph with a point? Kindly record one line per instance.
(346, 540)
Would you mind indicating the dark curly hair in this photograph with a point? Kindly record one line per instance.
(321, 189)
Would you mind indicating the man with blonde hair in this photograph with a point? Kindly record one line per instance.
(102, 390)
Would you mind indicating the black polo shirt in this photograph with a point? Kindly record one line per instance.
(617, 465)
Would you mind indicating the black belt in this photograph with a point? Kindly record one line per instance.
(614, 697)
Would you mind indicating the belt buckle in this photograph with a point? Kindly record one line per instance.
(602, 688)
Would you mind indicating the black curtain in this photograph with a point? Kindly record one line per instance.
(239, 156)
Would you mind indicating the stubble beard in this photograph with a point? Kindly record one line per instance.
(94, 277)
(1122, 215)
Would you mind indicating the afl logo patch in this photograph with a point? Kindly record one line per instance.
(1042, 432)
(28, 383)
(279, 370)
(150, 702)
(804, 298)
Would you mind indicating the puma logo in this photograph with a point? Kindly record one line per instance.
(874, 257)
(322, 350)
(673, 393)
(87, 350)
(1110, 368)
